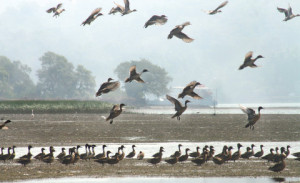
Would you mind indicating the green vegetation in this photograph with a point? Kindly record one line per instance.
(53, 106)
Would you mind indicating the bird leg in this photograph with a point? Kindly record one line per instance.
(111, 121)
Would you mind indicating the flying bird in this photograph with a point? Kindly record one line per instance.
(288, 13)
(156, 20)
(115, 10)
(133, 75)
(125, 10)
(189, 90)
(108, 86)
(248, 61)
(178, 106)
(217, 10)
(177, 32)
(114, 112)
(56, 10)
(96, 13)
(3, 125)
(252, 117)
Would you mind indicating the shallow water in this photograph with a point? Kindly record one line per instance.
(150, 148)
(169, 180)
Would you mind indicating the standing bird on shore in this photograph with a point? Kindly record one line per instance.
(3, 125)
(196, 153)
(189, 90)
(5, 157)
(259, 153)
(107, 87)
(248, 61)
(288, 13)
(41, 155)
(156, 20)
(200, 160)
(177, 33)
(178, 106)
(237, 154)
(13, 155)
(125, 10)
(132, 153)
(96, 13)
(279, 166)
(161, 149)
(133, 75)
(26, 159)
(287, 152)
(270, 156)
(63, 154)
(157, 157)
(56, 10)
(252, 117)
(141, 155)
(185, 156)
(114, 112)
(101, 155)
(177, 153)
(217, 10)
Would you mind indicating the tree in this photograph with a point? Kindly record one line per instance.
(15, 81)
(156, 81)
(57, 78)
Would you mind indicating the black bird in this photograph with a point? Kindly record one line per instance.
(92, 17)
(2, 126)
(248, 61)
(177, 32)
(107, 87)
(156, 20)
(178, 106)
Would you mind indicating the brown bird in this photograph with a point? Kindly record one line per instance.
(5, 157)
(157, 159)
(178, 106)
(177, 153)
(279, 166)
(260, 153)
(125, 10)
(288, 13)
(2, 126)
(270, 156)
(49, 158)
(114, 112)
(177, 32)
(281, 156)
(287, 152)
(115, 10)
(105, 159)
(218, 160)
(140, 156)
(156, 155)
(184, 157)
(66, 160)
(41, 155)
(13, 155)
(173, 160)
(156, 20)
(63, 154)
(133, 75)
(25, 159)
(217, 10)
(195, 154)
(248, 61)
(237, 154)
(200, 160)
(113, 160)
(132, 153)
(252, 117)
(101, 155)
(56, 10)
(96, 13)
(107, 87)
(122, 155)
(189, 90)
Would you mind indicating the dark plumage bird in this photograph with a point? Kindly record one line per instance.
(122, 154)
(189, 90)
(173, 160)
(96, 13)
(141, 155)
(104, 159)
(177, 32)
(49, 158)
(248, 61)
(156, 20)
(195, 154)
(13, 155)
(3, 125)
(5, 157)
(115, 10)
(252, 117)
(132, 153)
(259, 153)
(200, 160)
(218, 160)
(114, 112)
(270, 156)
(113, 160)
(63, 154)
(157, 158)
(297, 154)
(247, 154)
(287, 152)
(279, 166)
(178, 106)
(84, 156)
(66, 160)
(125, 10)
(56, 10)
(133, 75)
(156, 155)
(288, 13)
(107, 87)
(237, 154)
(41, 155)
(26, 159)
(217, 10)
(101, 155)
(177, 153)
(281, 156)
(185, 156)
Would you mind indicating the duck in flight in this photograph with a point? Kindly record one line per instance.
(177, 32)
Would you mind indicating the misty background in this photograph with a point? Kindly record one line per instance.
(221, 42)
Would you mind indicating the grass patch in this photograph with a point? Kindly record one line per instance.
(53, 106)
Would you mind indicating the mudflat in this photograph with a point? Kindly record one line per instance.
(73, 129)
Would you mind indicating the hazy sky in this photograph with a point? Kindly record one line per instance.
(221, 42)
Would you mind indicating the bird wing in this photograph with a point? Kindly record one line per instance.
(96, 11)
(290, 11)
(191, 85)
(282, 10)
(140, 80)
(121, 7)
(132, 71)
(153, 18)
(115, 107)
(126, 2)
(104, 85)
(248, 56)
(195, 95)
(184, 37)
(174, 101)
(186, 24)
(58, 6)
(247, 110)
(221, 5)
(51, 10)
(113, 85)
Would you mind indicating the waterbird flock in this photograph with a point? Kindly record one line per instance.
(198, 158)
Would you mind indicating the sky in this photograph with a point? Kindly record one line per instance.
(221, 42)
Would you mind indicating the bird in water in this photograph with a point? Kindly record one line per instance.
(56, 10)
(189, 90)
(96, 13)
(133, 75)
(252, 116)
(108, 86)
(125, 10)
(288, 13)
(177, 32)
(114, 112)
(217, 10)
(248, 61)
(3, 125)
(178, 106)
(156, 20)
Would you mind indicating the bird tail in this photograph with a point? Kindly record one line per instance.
(241, 67)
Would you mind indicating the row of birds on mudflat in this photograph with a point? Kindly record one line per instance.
(156, 19)
(208, 153)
